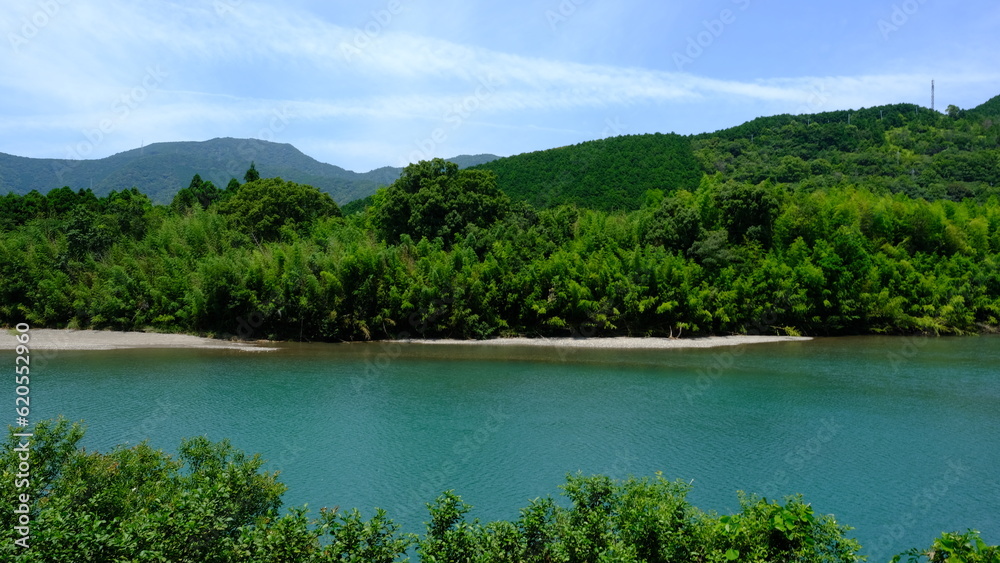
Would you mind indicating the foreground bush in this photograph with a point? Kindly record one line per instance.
(213, 504)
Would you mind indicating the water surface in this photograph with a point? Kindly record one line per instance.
(899, 438)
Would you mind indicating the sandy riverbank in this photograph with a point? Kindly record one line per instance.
(52, 339)
(623, 342)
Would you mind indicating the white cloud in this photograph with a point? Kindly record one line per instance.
(227, 73)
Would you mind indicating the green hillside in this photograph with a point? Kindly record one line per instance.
(611, 173)
(990, 108)
(901, 148)
(896, 149)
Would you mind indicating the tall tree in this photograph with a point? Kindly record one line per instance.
(252, 175)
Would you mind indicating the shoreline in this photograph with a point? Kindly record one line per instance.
(620, 342)
(69, 339)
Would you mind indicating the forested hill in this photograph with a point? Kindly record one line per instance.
(160, 170)
(900, 148)
(606, 174)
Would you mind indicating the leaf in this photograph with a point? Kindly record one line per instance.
(732, 555)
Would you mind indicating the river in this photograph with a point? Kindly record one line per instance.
(897, 437)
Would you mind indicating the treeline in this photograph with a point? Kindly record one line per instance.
(213, 504)
(445, 253)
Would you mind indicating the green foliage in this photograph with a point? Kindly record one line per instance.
(199, 193)
(263, 208)
(435, 199)
(896, 149)
(606, 174)
(637, 520)
(212, 503)
(728, 258)
(676, 224)
(953, 547)
(252, 175)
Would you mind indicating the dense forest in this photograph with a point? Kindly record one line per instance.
(900, 148)
(211, 503)
(791, 225)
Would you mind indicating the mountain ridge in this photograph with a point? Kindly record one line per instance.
(613, 172)
(162, 169)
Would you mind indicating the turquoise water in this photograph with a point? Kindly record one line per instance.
(899, 438)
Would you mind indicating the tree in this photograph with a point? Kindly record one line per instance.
(252, 175)
(264, 207)
(129, 209)
(435, 199)
(676, 224)
(199, 192)
(748, 211)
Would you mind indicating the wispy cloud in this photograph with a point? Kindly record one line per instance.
(228, 70)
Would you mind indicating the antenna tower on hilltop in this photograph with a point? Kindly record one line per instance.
(932, 95)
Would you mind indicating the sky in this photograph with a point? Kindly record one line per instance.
(365, 84)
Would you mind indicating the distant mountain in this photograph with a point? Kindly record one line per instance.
(161, 169)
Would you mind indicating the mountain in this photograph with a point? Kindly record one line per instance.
(161, 169)
(898, 148)
(901, 148)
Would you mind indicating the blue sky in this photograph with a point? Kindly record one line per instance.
(364, 84)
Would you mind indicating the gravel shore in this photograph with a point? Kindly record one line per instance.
(623, 342)
(53, 339)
